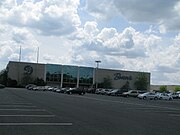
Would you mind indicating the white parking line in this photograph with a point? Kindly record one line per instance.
(138, 108)
(36, 124)
(162, 111)
(33, 110)
(16, 106)
(175, 115)
(27, 115)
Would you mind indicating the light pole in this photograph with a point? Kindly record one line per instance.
(96, 75)
(37, 62)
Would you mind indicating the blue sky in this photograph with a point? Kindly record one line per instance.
(136, 35)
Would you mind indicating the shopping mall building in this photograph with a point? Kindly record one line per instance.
(72, 76)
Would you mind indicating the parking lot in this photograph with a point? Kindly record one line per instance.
(48, 113)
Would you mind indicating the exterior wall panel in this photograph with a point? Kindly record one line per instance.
(64, 75)
(119, 77)
(16, 70)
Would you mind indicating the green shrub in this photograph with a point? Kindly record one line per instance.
(163, 88)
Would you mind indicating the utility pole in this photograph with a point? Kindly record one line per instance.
(37, 63)
(96, 75)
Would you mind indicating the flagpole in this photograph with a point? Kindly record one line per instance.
(37, 54)
(20, 54)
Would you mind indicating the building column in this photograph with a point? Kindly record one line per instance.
(77, 79)
(61, 85)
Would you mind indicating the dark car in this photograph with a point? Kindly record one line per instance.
(91, 90)
(63, 90)
(115, 92)
(2, 86)
(30, 86)
(76, 91)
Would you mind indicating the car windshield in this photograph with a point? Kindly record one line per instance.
(115, 90)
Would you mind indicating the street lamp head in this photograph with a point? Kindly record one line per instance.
(98, 61)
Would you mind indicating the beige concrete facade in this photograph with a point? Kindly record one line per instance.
(120, 77)
(16, 70)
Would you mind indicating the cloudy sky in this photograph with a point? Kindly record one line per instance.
(135, 35)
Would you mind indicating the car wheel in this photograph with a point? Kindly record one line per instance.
(144, 98)
(127, 96)
(160, 98)
(155, 98)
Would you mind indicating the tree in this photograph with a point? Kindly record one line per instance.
(177, 88)
(106, 83)
(126, 86)
(4, 77)
(26, 79)
(39, 82)
(11, 83)
(163, 88)
(141, 83)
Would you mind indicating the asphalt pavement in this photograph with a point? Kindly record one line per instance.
(25, 112)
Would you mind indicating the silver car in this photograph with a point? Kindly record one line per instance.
(148, 95)
(165, 96)
(174, 95)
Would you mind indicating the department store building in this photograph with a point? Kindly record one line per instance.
(72, 76)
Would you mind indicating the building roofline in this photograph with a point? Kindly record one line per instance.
(80, 67)
(26, 62)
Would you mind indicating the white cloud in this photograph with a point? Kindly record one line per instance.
(5, 51)
(90, 28)
(101, 9)
(55, 17)
(163, 13)
(13, 57)
(107, 33)
(166, 14)
(11, 40)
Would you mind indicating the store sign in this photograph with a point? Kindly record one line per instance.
(118, 76)
(28, 69)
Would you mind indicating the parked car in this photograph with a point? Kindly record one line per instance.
(178, 92)
(91, 90)
(76, 91)
(105, 91)
(38, 88)
(31, 87)
(174, 95)
(164, 96)
(27, 86)
(2, 86)
(148, 95)
(115, 92)
(131, 93)
(63, 90)
(98, 91)
(46, 88)
(50, 88)
(55, 89)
